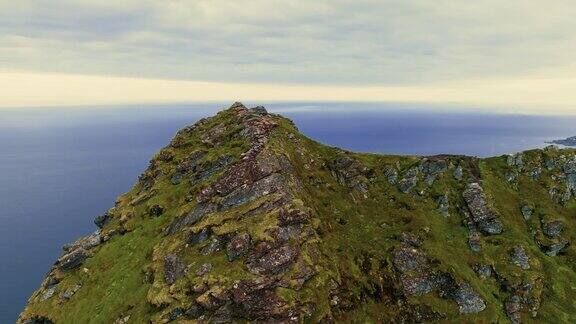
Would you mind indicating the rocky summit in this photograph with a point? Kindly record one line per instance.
(242, 218)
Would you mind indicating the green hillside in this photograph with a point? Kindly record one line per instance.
(243, 218)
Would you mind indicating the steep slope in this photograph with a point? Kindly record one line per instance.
(243, 218)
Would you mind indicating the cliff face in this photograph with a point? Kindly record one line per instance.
(243, 218)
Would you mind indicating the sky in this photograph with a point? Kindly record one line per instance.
(513, 55)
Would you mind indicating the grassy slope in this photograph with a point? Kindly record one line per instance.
(357, 236)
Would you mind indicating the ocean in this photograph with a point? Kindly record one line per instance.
(61, 167)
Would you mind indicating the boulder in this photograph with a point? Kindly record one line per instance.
(555, 248)
(391, 174)
(552, 229)
(409, 180)
(527, 211)
(156, 211)
(485, 219)
(444, 205)
(519, 257)
(458, 173)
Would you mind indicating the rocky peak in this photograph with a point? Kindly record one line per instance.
(242, 218)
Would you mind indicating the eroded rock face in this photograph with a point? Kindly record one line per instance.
(409, 180)
(419, 277)
(72, 259)
(485, 219)
(174, 269)
(352, 173)
(238, 246)
(273, 261)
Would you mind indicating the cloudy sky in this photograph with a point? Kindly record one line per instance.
(517, 54)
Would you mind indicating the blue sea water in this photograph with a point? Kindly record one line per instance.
(61, 167)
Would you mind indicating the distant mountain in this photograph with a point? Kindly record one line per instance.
(570, 141)
(242, 218)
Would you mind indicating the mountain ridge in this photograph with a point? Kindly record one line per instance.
(243, 218)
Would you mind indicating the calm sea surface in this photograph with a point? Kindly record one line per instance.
(59, 168)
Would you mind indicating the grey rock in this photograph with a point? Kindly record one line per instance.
(474, 241)
(204, 269)
(391, 174)
(484, 271)
(516, 160)
(549, 163)
(511, 177)
(174, 268)
(535, 173)
(72, 260)
(224, 314)
(175, 314)
(68, 293)
(469, 302)
(458, 173)
(527, 211)
(88, 242)
(410, 239)
(102, 220)
(266, 186)
(192, 217)
(409, 180)
(444, 205)
(552, 229)
(519, 257)
(417, 283)
(555, 248)
(408, 258)
(156, 211)
(513, 306)
(176, 178)
(275, 261)
(485, 219)
(431, 168)
(214, 245)
(199, 237)
(48, 293)
(238, 246)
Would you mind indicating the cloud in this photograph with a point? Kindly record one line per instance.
(531, 95)
(322, 42)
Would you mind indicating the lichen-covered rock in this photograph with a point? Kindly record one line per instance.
(72, 259)
(481, 214)
(553, 229)
(238, 246)
(520, 258)
(174, 268)
(527, 211)
(444, 205)
(409, 180)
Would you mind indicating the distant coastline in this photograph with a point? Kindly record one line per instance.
(570, 141)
